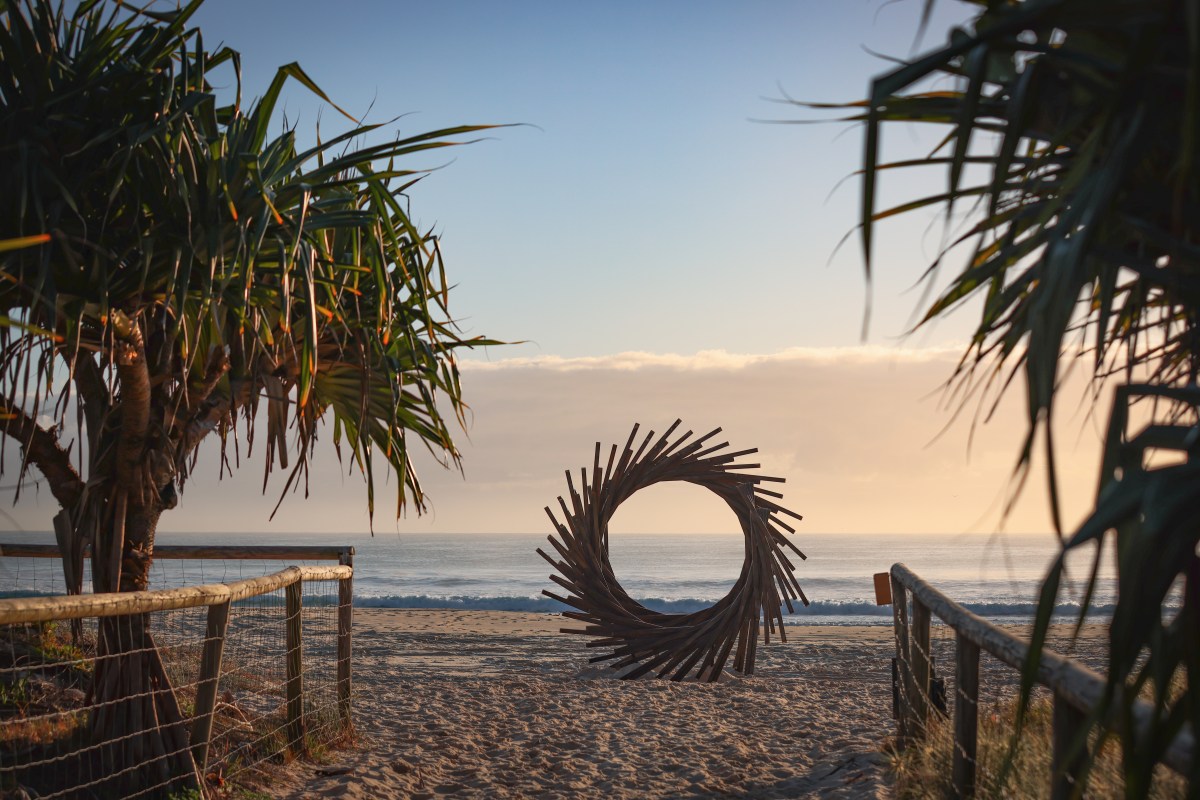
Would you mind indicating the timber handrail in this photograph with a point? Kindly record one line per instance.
(1077, 689)
(81, 606)
(224, 552)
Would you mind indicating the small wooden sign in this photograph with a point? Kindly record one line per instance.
(883, 589)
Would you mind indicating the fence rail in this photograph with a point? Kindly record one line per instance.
(218, 598)
(1076, 688)
(225, 552)
(84, 606)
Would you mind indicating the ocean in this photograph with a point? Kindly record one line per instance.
(994, 575)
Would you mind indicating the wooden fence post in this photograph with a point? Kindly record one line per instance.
(1074, 685)
(345, 624)
(206, 688)
(1067, 763)
(918, 653)
(900, 625)
(295, 667)
(966, 715)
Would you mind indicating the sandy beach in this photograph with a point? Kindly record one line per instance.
(500, 704)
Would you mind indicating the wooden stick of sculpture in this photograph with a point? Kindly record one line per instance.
(700, 643)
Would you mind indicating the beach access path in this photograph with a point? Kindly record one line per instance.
(501, 705)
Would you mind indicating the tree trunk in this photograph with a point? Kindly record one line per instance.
(138, 731)
(141, 738)
(70, 548)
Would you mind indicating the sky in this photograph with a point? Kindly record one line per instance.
(662, 247)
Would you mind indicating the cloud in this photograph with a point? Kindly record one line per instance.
(720, 360)
(854, 431)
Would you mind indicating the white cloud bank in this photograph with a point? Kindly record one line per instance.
(855, 431)
(719, 360)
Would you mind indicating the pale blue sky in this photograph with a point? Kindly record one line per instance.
(646, 211)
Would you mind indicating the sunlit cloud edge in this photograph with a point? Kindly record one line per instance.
(719, 360)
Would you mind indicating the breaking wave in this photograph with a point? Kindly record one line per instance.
(827, 611)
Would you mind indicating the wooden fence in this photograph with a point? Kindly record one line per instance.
(1076, 689)
(217, 597)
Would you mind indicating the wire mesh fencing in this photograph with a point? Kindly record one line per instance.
(956, 704)
(250, 718)
(33, 569)
(172, 692)
(62, 735)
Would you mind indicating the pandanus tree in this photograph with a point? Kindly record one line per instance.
(171, 273)
(1072, 163)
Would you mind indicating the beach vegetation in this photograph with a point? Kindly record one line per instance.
(172, 272)
(16, 694)
(1012, 765)
(1070, 149)
(56, 644)
(186, 794)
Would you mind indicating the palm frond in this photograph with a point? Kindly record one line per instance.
(1083, 243)
(252, 270)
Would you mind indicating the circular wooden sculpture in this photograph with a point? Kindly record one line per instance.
(697, 644)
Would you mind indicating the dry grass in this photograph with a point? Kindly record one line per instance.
(923, 770)
(43, 678)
